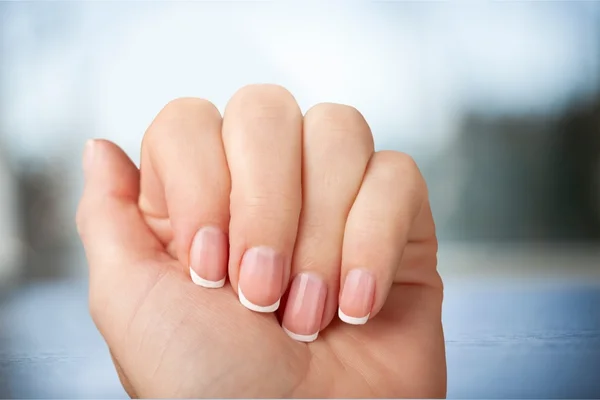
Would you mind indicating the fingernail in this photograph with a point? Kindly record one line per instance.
(208, 258)
(304, 308)
(356, 300)
(88, 155)
(261, 279)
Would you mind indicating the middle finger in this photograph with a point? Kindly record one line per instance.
(262, 135)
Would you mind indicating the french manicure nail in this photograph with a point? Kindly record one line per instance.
(304, 308)
(208, 258)
(261, 279)
(356, 299)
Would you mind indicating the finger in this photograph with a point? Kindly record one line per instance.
(378, 228)
(262, 128)
(185, 187)
(115, 238)
(337, 146)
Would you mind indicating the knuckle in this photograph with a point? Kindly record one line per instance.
(263, 101)
(268, 215)
(263, 206)
(178, 112)
(339, 114)
(391, 165)
(398, 162)
(393, 168)
(371, 222)
(268, 93)
(339, 121)
(183, 105)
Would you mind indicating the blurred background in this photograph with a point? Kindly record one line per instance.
(499, 102)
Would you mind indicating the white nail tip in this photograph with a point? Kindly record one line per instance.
(353, 320)
(301, 338)
(251, 306)
(205, 282)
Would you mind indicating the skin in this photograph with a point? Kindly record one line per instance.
(310, 190)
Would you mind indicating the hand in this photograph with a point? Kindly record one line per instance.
(304, 220)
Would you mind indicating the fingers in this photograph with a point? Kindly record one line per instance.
(185, 187)
(262, 132)
(337, 147)
(115, 238)
(263, 198)
(386, 212)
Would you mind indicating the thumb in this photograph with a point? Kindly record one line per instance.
(115, 237)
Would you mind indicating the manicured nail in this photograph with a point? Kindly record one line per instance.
(261, 279)
(304, 308)
(208, 258)
(356, 300)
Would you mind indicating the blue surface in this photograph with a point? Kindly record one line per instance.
(504, 340)
(523, 342)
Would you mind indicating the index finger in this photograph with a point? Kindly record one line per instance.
(185, 187)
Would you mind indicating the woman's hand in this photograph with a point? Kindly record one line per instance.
(220, 267)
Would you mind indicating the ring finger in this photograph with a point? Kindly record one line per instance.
(337, 145)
